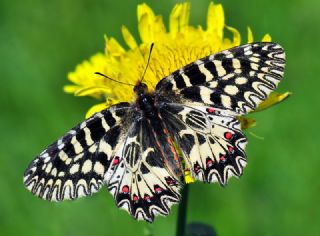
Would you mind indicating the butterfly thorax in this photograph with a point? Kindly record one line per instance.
(145, 100)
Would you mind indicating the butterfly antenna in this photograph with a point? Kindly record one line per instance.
(145, 70)
(103, 75)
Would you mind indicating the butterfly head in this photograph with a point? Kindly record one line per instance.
(140, 88)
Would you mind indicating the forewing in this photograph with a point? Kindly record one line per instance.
(139, 180)
(75, 165)
(236, 80)
(210, 139)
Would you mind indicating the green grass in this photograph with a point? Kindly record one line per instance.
(41, 41)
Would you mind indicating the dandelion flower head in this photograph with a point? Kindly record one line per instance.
(175, 47)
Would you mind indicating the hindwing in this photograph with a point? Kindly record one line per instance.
(140, 179)
(210, 139)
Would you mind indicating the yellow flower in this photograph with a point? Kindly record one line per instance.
(175, 47)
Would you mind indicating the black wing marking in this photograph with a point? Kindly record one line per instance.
(237, 80)
(210, 139)
(140, 181)
(75, 165)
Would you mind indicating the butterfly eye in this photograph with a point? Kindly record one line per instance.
(140, 88)
(143, 85)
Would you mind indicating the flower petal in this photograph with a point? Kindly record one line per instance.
(96, 108)
(250, 35)
(188, 177)
(273, 99)
(128, 38)
(236, 35)
(144, 9)
(159, 28)
(145, 29)
(84, 72)
(266, 38)
(146, 20)
(114, 48)
(93, 90)
(184, 16)
(70, 88)
(215, 19)
(174, 20)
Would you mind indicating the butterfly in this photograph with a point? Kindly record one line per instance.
(140, 150)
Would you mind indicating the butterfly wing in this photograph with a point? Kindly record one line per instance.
(210, 139)
(76, 164)
(199, 104)
(236, 80)
(119, 148)
(141, 181)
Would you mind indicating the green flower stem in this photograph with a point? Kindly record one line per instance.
(182, 212)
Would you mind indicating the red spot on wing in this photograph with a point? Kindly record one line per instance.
(210, 110)
(135, 198)
(157, 189)
(228, 135)
(115, 161)
(147, 198)
(196, 168)
(230, 149)
(125, 189)
(209, 162)
(222, 158)
(170, 181)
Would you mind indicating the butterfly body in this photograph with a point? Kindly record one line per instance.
(146, 103)
(140, 150)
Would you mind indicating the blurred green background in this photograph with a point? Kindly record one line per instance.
(41, 41)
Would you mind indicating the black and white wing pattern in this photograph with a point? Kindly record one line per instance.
(199, 104)
(236, 80)
(76, 164)
(132, 156)
(141, 179)
(210, 139)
